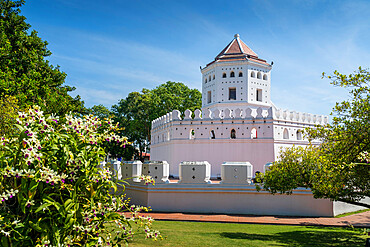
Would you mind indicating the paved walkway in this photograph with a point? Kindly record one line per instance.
(356, 220)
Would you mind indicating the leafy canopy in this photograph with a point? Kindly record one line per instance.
(24, 72)
(136, 112)
(337, 169)
(8, 113)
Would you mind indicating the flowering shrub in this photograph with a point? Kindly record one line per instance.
(364, 157)
(52, 190)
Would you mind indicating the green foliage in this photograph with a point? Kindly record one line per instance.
(339, 168)
(52, 190)
(176, 96)
(24, 72)
(100, 111)
(8, 114)
(113, 148)
(136, 112)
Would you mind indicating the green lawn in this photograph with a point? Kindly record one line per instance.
(351, 213)
(222, 234)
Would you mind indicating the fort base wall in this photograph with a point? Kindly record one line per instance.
(256, 151)
(229, 199)
(196, 195)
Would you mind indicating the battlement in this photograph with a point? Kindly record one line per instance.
(248, 113)
(234, 194)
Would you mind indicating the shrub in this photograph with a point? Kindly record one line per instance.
(53, 191)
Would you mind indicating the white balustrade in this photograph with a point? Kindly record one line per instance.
(131, 170)
(236, 173)
(195, 172)
(158, 170)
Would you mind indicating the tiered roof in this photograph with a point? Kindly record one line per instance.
(238, 50)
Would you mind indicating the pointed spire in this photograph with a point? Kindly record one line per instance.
(238, 50)
(236, 47)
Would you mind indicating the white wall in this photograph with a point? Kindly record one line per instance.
(256, 151)
(227, 199)
(172, 141)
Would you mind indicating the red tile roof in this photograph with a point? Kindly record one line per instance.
(238, 50)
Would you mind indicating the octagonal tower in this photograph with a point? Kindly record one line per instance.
(235, 79)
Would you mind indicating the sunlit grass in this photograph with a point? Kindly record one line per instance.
(228, 234)
(351, 213)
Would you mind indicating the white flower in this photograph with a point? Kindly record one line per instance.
(5, 233)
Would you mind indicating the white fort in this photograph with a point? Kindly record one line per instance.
(237, 122)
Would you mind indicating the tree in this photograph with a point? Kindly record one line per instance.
(136, 112)
(100, 111)
(8, 114)
(176, 96)
(339, 168)
(24, 72)
(113, 149)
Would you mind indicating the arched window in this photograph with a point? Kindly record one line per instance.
(233, 134)
(168, 136)
(224, 75)
(240, 74)
(286, 134)
(253, 74)
(299, 135)
(205, 80)
(265, 77)
(214, 77)
(192, 134)
(209, 78)
(232, 74)
(212, 134)
(254, 133)
(259, 75)
(209, 97)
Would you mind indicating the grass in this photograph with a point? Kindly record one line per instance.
(351, 213)
(227, 234)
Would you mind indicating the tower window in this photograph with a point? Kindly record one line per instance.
(240, 74)
(209, 97)
(232, 74)
(253, 74)
(286, 134)
(224, 75)
(209, 78)
(259, 95)
(192, 134)
(254, 133)
(233, 134)
(265, 77)
(212, 133)
(205, 80)
(299, 135)
(232, 93)
(259, 75)
(214, 77)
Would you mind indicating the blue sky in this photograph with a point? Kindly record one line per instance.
(111, 48)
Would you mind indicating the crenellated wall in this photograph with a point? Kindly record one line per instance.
(242, 113)
(235, 194)
(250, 134)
